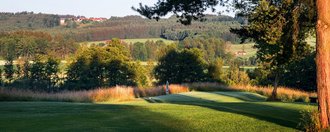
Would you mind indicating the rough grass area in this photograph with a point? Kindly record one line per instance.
(111, 94)
(193, 111)
(284, 94)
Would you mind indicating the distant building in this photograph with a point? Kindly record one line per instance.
(79, 19)
(97, 19)
(240, 53)
(62, 21)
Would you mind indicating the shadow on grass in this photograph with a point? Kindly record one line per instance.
(246, 96)
(259, 110)
(41, 116)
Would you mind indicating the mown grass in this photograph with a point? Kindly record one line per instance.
(193, 111)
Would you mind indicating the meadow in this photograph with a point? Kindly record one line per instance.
(190, 111)
(248, 48)
(132, 41)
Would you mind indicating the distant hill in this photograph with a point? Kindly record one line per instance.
(129, 27)
(27, 20)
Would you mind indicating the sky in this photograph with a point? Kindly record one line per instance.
(88, 8)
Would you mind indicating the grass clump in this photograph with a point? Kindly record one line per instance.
(160, 90)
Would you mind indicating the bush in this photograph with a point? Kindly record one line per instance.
(309, 121)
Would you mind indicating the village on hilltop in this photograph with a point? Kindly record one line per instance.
(80, 19)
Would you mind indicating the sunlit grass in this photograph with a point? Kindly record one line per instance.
(285, 94)
(193, 111)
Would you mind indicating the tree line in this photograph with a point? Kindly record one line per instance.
(121, 27)
(112, 64)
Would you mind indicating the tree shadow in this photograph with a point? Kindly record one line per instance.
(246, 96)
(53, 116)
(259, 110)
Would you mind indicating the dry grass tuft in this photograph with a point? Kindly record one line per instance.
(98, 95)
(161, 90)
(123, 93)
(285, 94)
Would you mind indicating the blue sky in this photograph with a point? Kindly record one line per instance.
(88, 8)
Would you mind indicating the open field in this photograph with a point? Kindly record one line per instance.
(248, 48)
(250, 51)
(143, 40)
(150, 39)
(192, 111)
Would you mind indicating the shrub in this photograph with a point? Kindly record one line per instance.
(310, 121)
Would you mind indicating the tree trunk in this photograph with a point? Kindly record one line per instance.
(323, 60)
(274, 93)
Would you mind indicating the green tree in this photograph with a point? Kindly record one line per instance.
(139, 51)
(234, 76)
(77, 74)
(215, 70)
(51, 72)
(301, 74)
(37, 74)
(9, 70)
(181, 67)
(120, 73)
(96, 66)
(277, 48)
(95, 71)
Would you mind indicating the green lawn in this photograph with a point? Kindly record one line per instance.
(194, 111)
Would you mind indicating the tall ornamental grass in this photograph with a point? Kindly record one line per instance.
(113, 94)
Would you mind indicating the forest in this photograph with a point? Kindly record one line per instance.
(120, 27)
